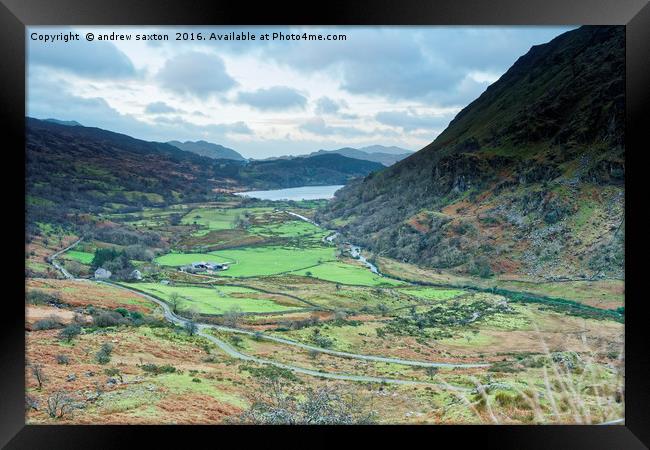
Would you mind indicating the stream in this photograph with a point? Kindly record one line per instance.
(355, 250)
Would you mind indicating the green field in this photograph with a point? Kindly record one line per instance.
(215, 300)
(255, 261)
(218, 218)
(292, 228)
(82, 257)
(343, 273)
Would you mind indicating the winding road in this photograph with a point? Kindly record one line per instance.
(233, 352)
(59, 267)
(203, 328)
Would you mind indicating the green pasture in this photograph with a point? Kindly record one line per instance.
(212, 300)
(82, 257)
(218, 218)
(339, 272)
(255, 261)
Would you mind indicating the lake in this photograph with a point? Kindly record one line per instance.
(297, 193)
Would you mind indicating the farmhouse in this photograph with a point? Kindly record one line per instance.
(102, 274)
(200, 266)
(136, 275)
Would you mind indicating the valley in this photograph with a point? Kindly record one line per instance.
(479, 280)
(413, 342)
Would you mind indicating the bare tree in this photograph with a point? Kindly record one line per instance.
(114, 372)
(277, 401)
(190, 324)
(59, 404)
(233, 317)
(174, 300)
(30, 403)
(39, 375)
(190, 327)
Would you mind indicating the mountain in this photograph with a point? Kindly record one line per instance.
(203, 148)
(313, 170)
(377, 153)
(392, 150)
(76, 169)
(527, 179)
(70, 123)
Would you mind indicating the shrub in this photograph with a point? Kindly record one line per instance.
(47, 324)
(136, 316)
(320, 340)
(157, 370)
(70, 332)
(114, 372)
(191, 327)
(504, 367)
(123, 311)
(103, 356)
(108, 319)
(62, 359)
(59, 404)
(39, 297)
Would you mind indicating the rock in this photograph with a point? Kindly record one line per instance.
(71, 377)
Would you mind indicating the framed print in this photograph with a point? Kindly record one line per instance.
(269, 220)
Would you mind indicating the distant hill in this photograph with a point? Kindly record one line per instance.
(75, 169)
(527, 179)
(307, 171)
(203, 148)
(392, 150)
(70, 123)
(377, 153)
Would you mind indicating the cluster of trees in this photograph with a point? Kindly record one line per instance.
(440, 318)
(278, 401)
(140, 246)
(117, 262)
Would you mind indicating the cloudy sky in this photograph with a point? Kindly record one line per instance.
(390, 85)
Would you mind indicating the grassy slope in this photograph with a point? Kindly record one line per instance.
(213, 300)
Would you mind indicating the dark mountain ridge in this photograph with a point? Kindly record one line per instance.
(76, 169)
(204, 148)
(375, 154)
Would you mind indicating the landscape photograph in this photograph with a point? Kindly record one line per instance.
(325, 225)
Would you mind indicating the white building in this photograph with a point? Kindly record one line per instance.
(102, 274)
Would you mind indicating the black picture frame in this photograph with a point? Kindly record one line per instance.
(15, 15)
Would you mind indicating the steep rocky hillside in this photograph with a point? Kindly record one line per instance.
(527, 179)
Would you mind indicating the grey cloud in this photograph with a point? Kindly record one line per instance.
(326, 105)
(97, 59)
(159, 108)
(45, 96)
(197, 74)
(408, 120)
(215, 129)
(429, 65)
(273, 99)
(318, 126)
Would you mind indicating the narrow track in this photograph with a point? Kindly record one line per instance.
(231, 351)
